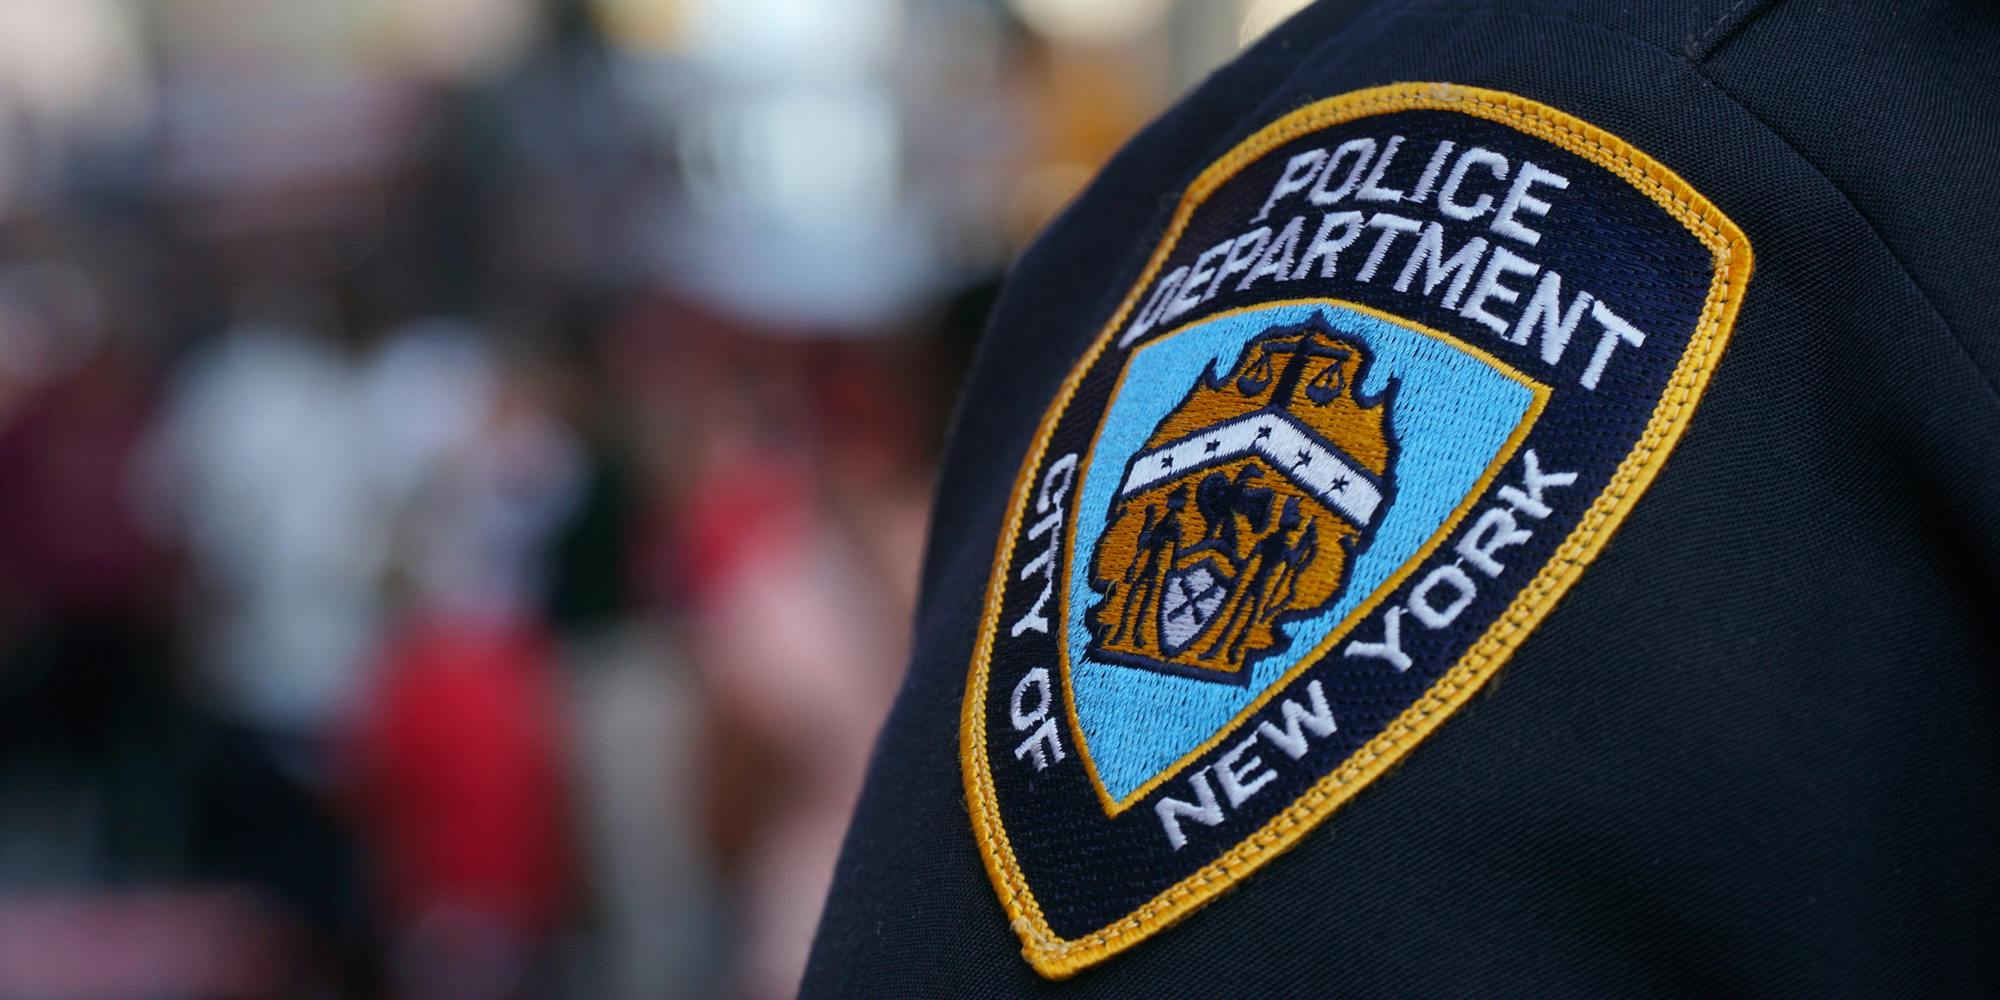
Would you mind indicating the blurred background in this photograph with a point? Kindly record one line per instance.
(464, 463)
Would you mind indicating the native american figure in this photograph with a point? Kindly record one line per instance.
(1244, 509)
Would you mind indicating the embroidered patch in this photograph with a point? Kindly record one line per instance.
(1398, 368)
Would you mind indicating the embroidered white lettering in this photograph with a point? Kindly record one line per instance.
(1291, 737)
(1502, 262)
(1389, 225)
(1616, 331)
(1520, 199)
(1372, 189)
(1362, 150)
(1279, 255)
(1429, 254)
(1044, 745)
(1048, 503)
(1495, 530)
(1325, 247)
(1391, 646)
(1193, 288)
(1299, 173)
(1428, 180)
(1242, 253)
(1204, 810)
(1546, 313)
(1447, 590)
(1448, 202)
(1241, 778)
(1163, 293)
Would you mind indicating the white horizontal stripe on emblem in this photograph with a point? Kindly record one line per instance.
(1303, 458)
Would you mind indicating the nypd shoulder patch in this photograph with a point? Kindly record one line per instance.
(1399, 366)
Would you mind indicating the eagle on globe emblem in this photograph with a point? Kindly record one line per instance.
(1245, 508)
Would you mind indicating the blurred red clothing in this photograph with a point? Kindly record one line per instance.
(458, 777)
(70, 540)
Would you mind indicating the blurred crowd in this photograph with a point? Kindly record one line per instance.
(463, 463)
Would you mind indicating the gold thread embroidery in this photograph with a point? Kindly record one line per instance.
(1114, 806)
(1172, 546)
(1056, 957)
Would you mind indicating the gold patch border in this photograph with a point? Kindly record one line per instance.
(1056, 957)
(1539, 394)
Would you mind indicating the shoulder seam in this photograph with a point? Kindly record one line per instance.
(1704, 44)
(1958, 337)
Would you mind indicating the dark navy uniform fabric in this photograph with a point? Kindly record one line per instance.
(1756, 749)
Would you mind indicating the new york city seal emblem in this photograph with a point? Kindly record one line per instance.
(1244, 508)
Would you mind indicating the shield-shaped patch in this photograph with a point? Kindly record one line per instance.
(1400, 365)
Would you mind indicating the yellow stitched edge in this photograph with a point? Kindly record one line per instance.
(1056, 957)
(1540, 398)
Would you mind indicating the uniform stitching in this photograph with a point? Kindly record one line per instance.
(1725, 28)
(1477, 665)
(1468, 669)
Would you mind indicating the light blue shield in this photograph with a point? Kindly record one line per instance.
(1452, 413)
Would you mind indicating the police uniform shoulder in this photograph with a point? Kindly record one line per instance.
(1630, 349)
